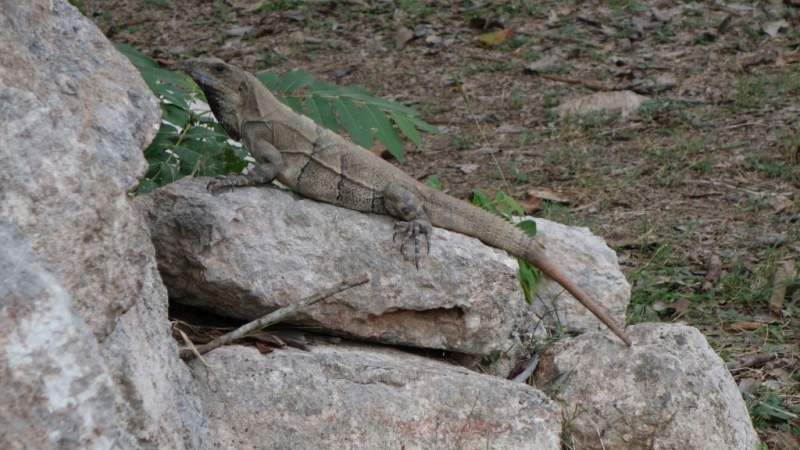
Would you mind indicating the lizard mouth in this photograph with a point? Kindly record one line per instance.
(199, 76)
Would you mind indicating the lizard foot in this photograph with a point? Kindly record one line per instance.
(413, 229)
(223, 181)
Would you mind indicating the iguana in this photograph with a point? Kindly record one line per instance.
(322, 165)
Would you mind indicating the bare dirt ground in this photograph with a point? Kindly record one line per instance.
(697, 192)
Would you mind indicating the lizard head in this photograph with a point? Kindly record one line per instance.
(226, 87)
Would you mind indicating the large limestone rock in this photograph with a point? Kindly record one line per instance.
(247, 252)
(348, 396)
(156, 403)
(75, 118)
(86, 355)
(55, 392)
(669, 391)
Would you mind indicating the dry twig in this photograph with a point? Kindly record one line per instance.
(273, 317)
(754, 361)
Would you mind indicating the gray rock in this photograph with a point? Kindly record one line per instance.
(248, 252)
(670, 390)
(54, 391)
(86, 344)
(361, 397)
(76, 116)
(157, 403)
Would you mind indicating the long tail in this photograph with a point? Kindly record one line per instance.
(464, 218)
(536, 257)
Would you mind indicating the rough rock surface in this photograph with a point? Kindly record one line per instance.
(86, 355)
(157, 404)
(75, 117)
(55, 392)
(668, 391)
(362, 397)
(250, 251)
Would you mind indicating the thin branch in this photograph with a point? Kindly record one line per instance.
(754, 361)
(273, 317)
(766, 405)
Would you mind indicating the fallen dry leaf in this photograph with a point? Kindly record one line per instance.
(772, 29)
(547, 194)
(771, 240)
(649, 239)
(624, 102)
(402, 36)
(494, 38)
(779, 202)
(530, 204)
(545, 64)
(749, 385)
(264, 348)
(681, 305)
(744, 326)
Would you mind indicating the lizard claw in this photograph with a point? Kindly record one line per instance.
(413, 229)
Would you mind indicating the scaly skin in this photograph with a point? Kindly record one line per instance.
(322, 165)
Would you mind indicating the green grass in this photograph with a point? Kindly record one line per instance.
(461, 142)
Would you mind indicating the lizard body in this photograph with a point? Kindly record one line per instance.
(324, 166)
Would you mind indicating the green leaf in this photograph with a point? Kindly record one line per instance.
(351, 118)
(295, 80)
(203, 132)
(169, 173)
(509, 200)
(384, 104)
(137, 58)
(189, 157)
(434, 182)
(320, 85)
(407, 127)
(163, 140)
(177, 99)
(352, 90)
(320, 111)
(529, 278)
(294, 103)
(146, 186)
(529, 227)
(269, 79)
(174, 114)
(480, 199)
(425, 126)
(383, 130)
(175, 79)
(232, 161)
(506, 211)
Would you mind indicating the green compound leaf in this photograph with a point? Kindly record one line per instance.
(383, 131)
(351, 118)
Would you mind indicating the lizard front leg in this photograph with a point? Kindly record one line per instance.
(404, 205)
(255, 136)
